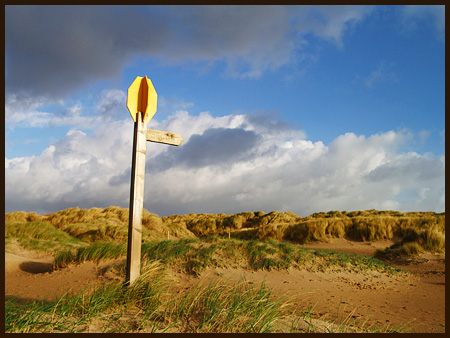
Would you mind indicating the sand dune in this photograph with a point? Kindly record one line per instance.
(418, 299)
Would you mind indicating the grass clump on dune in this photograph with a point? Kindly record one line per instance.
(39, 235)
(110, 224)
(415, 241)
(22, 217)
(93, 224)
(194, 256)
(222, 308)
(95, 252)
(107, 304)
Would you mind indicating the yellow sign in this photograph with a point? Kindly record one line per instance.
(142, 97)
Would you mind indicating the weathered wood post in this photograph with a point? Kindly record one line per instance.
(136, 200)
(141, 103)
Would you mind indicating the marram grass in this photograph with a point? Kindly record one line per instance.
(150, 305)
(80, 227)
(251, 240)
(195, 255)
(39, 235)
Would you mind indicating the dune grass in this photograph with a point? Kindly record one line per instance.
(195, 255)
(259, 241)
(368, 225)
(95, 252)
(431, 239)
(111, 224)
(106, 303)
(39, 235)
(150, 305)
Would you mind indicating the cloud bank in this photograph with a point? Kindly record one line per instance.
(63, 48)
(228, 164)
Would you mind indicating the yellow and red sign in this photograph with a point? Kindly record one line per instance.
(142, 98)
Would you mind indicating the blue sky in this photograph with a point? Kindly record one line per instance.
(288, 108)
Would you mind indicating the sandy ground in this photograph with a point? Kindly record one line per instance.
(417, 301)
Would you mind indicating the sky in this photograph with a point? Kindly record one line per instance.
(289, 108)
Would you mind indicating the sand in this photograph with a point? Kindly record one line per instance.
(417, 301)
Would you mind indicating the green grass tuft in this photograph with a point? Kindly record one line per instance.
(195, 255)
(40, 236)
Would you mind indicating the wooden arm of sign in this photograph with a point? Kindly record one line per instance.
(164, 137)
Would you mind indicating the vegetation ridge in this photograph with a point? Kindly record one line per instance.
(413, 232)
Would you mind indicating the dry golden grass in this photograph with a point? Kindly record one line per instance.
(109, 224)
(426, 229)
(368, 225)
(22, 217)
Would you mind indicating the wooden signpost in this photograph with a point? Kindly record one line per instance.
(141, 103)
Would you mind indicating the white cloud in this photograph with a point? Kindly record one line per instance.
(28, 113)
(228, 164)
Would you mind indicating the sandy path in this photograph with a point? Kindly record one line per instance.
(419, 299)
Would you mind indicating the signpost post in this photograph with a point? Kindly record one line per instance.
(141, 103)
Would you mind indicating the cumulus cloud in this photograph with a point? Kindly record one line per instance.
(73, 171)
(228, 164)
(53, 50)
